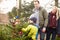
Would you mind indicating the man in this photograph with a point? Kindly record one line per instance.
(52, 24)
(42, 18)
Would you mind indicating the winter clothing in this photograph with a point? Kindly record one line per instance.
(33, 19)
(41, 15)
(33, 30)
(52, 20)
(42, 19)
(52, 26)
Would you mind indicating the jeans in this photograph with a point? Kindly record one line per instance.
(37, 36)
(42, 34)
(49, 32)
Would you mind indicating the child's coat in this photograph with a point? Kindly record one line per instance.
(33, 30)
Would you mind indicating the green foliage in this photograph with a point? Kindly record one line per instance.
(5, 32)
(58, 37)
(24, 11)
(13, 13)
(8, 32)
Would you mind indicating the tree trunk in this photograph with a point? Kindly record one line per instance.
(19, 5)
(56, 3)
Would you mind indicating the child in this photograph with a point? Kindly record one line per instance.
(32, 27)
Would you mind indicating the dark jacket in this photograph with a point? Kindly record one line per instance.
(52, 22)
(58, 26)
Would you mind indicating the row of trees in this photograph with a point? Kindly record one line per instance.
(24, 9)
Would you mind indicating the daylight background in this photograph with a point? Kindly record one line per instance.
(10, 9)
(7, 5)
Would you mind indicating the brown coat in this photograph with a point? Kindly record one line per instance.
(43, 17)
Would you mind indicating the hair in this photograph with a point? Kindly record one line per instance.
(55, 7)
(37, 1)
(33, 19)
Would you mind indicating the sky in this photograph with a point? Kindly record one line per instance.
(7, 5)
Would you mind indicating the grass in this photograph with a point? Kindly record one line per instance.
(57, 38)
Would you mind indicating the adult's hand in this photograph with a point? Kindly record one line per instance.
(43, 29)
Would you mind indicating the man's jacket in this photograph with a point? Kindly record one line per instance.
(43, 17)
